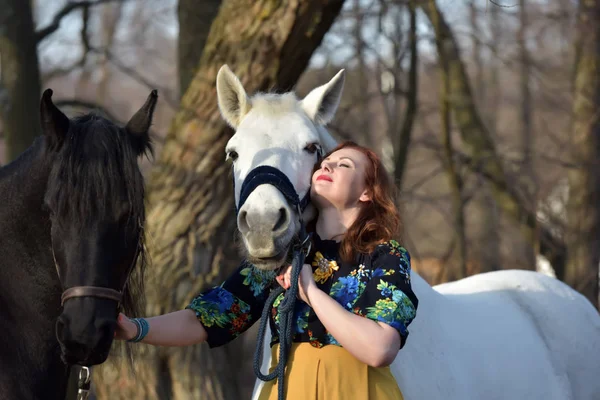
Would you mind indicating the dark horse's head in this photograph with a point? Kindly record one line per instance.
(95, 198)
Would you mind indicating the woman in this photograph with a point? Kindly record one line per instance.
(357, 300)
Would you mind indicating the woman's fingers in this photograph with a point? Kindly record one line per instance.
(281, 280)
(285, 278)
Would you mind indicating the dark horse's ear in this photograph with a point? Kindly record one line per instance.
(139, 125)
(55, 124)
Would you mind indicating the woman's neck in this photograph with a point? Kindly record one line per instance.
(333, 223)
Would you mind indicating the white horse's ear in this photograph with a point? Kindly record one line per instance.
(233, 101)
(322, 102)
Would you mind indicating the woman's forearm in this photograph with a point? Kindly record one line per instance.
(179, 328)
(372, 343)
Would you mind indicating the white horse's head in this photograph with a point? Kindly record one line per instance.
(282, 132)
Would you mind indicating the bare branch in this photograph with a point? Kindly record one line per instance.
(58, 72)
(85, 40)
(66, 10)
(132, 73)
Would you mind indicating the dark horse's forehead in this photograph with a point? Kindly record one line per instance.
(96, 137)
(95, 172)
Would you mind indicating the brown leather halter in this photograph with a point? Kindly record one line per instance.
(96, 291)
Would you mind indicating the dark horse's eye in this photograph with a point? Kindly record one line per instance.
(312, 148)
(232, 155)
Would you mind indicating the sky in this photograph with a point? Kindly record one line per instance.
(64, 46)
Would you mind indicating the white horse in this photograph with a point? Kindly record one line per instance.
(512, 334)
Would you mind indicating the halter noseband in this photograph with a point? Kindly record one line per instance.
(95, 291)
(268, 175)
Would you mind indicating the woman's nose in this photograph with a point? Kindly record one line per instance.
(326, 167)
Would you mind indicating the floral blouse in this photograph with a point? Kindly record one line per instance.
(375, 286)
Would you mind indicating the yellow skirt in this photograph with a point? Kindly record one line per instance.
(330, 373)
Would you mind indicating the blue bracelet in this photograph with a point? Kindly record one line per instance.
(142, 329)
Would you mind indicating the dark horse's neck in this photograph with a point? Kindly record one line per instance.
(30, 364)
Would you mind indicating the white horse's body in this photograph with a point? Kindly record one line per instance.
(500, 335)
(510, 335)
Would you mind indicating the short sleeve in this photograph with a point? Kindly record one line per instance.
(388, 295)
(230, 309)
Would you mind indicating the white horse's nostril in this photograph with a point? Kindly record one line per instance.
(281, 222)
(243, 222)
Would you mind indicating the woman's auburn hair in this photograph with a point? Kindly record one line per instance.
(379, 219)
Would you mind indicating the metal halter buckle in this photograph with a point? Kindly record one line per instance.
(84, 383)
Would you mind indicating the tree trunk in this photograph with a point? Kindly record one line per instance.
(362, 98)
(402, 142)
(583, 213)
(191, 222)
(484, 159)
(476, 49)
(494, 93)
(110, 18)
(487, 247)
(194, 25)
(454, 178)
(19, 77)
(527, 175)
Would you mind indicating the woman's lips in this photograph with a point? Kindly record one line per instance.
(324, 178)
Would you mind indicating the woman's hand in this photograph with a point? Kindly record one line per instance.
(126, 329)
(306, 281)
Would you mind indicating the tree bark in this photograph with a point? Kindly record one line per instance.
(526, 111)
(487, 248)
(476, 49)
(583, 213)
(195, 21)
(110, 18)
(19, 77)
(191, 222)
(362, 99)
(402, 142)
(454, 177)
(494, 93)
(480, 145)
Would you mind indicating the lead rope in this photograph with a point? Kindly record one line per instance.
(286, 320)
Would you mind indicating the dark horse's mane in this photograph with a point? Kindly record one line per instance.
(93, 162)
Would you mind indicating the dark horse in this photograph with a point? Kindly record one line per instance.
(71, 226)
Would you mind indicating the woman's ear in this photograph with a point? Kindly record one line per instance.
(365, 197)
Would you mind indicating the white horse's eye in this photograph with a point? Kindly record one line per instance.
(232, 155)
(312, 148)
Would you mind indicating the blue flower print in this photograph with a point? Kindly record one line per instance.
(346, 290)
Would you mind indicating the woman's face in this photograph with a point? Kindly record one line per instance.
(340, 181)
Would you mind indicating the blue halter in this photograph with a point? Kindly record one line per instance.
(265, 174)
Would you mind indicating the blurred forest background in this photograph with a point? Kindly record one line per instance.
(486, 113)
